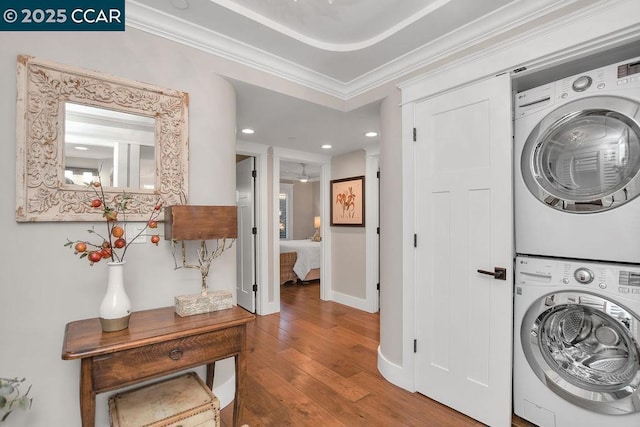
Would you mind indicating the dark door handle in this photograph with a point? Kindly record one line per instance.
(498, 273)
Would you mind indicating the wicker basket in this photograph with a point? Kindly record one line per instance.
(287, 261)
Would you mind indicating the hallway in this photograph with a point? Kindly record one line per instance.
(314, 364)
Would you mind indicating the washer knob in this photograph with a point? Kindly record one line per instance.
(581, 84)
(583, 275)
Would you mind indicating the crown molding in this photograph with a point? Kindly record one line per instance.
(495, 31)
(161, 24)
(329, 46)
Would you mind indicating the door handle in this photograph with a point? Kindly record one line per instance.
(498, 273)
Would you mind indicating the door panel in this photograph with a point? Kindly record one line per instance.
(246, 239)
(464, 223)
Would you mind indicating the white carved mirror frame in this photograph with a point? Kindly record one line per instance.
(43, 89)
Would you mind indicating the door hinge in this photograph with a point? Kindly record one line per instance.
(254, 173)
(378, 286)
(415, 346)
(378, 230)
(415, 240)
(254, 230)
(378, 174)
(255, 288)
(415, 134)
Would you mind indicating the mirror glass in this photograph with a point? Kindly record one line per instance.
(116, 145)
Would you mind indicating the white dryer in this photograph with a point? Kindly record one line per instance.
(576, 333)
(577, 166)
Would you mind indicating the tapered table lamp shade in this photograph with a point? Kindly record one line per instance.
(316, 224)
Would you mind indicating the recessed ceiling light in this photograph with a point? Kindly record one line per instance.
(371, 134)
(326, 146)
(180, 4)
(81, 148)
(247, 131)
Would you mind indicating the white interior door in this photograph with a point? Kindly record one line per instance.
(245, 250)
(464, 218)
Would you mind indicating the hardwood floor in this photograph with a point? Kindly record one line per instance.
(314, 364)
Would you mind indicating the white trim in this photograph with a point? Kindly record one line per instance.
(285, 154)
(163, 25)
(395, 374)
(530, 50)
(325, 232)
(320, 44)
(349, 300)
(263, 307)
(372, 162)
(495, 28)
(288, 190)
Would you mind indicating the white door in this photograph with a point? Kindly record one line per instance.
(245, 250)
(464, 218)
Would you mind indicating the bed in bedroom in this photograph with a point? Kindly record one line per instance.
(299, 260)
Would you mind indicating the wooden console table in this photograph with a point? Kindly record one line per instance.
(158, 342)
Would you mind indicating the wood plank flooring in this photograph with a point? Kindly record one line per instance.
(314, 364)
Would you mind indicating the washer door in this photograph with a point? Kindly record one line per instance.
(585, 349)
(585, 156)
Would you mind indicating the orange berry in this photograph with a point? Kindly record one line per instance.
(117, 231)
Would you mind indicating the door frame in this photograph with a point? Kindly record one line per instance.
(262, 241)
(289, 155)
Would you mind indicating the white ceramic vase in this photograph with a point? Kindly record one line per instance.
(115, 308)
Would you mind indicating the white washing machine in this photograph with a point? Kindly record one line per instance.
(577, 166)
(576, 343)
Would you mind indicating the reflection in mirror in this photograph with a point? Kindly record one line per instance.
(138, 142)
(118, 146)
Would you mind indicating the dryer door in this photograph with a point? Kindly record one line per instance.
(585, 349)
(585, 156)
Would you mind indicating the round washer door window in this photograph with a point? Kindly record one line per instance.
(585, 156)
(585, 349)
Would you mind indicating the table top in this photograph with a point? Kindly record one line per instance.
(85, 338)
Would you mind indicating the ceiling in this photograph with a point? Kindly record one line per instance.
(340, 48)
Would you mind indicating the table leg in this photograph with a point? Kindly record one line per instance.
(87, 395)
(211, 370)
(241, 374)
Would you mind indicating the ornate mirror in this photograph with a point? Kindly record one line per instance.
(76, 126)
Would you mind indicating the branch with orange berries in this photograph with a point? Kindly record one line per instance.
(113, 245)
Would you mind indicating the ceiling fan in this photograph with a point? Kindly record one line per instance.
(304, 177)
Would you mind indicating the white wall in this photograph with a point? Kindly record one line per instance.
(348, 245)
(303, 208)
(391, 274)
(43, 285)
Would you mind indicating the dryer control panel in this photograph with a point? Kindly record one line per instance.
(601, 278)
(622, 75)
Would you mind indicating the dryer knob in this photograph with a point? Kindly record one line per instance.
(583, 275)
(581, 83)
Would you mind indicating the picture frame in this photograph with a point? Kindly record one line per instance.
(347, 202)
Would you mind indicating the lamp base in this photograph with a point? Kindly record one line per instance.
(188, 305)
(316, 237)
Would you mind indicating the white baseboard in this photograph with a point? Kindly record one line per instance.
(395, 373)
(351, 301)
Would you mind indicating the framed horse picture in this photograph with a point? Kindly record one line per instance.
(347, 202)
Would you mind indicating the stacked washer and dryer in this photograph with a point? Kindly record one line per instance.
(577, 284)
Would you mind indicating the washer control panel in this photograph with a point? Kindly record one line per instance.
(608, 79)
(602, 278)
